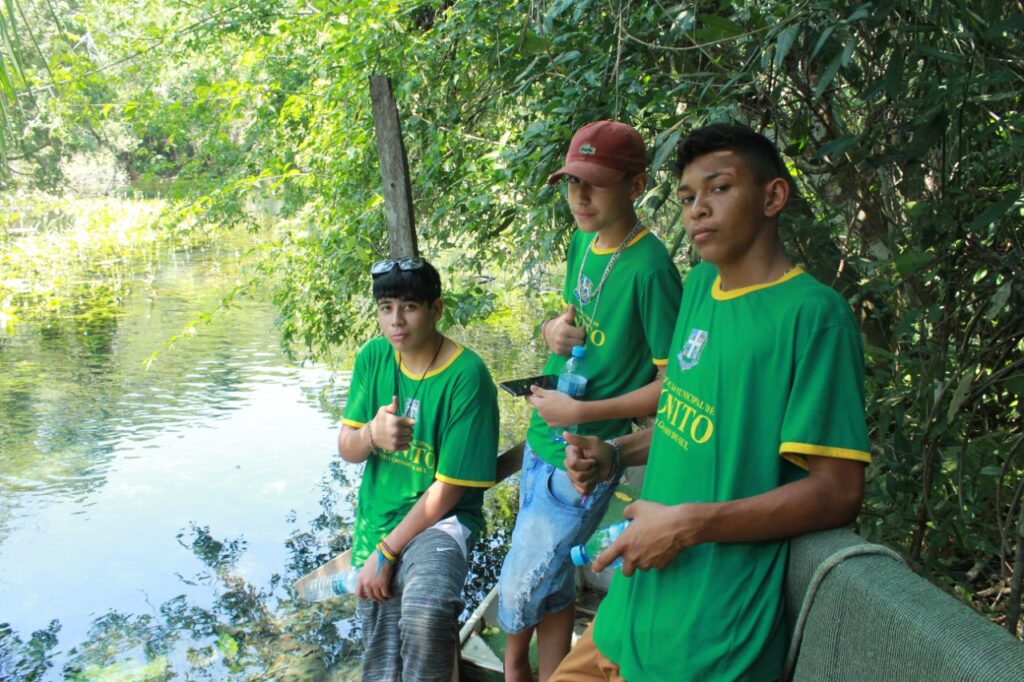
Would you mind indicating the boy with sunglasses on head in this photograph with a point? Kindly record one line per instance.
(422, 413)
(760, 436)
(621, 294)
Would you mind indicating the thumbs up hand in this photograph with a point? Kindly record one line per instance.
(561, 334)
(390, 430)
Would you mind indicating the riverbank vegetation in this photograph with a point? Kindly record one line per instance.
(65, 257)
(901, 122)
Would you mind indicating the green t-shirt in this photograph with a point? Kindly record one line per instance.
(455, 439)
(759, 378)
(629, 336)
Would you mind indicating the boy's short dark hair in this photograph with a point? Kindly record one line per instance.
(755, 149)
(421, 284)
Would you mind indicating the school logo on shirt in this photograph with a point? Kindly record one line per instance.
(412, 409)
(690, 354)
(584, 290)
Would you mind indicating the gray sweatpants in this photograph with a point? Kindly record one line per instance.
(413, 635)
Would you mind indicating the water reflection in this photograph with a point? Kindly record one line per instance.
(152, 522)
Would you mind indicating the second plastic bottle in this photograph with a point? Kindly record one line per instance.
(330, 586)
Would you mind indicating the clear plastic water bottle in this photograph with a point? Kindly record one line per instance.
(573, 382)
(330, 586)
(583, 555)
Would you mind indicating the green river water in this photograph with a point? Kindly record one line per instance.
(153, 520)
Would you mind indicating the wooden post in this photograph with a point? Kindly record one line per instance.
(394, 169)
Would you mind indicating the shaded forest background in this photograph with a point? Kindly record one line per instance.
(900, 120)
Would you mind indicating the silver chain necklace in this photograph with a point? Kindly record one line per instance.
(410, 401)
(584, 296)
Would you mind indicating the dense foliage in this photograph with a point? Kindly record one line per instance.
(901, 120)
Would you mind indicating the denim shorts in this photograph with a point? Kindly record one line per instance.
(538, 577)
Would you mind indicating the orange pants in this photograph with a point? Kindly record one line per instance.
(585, 663)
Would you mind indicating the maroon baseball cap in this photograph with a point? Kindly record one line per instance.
(603, 153)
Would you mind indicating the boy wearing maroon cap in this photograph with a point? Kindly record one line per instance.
(760, 436)
(626, 344)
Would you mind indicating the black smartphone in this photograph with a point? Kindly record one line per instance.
(521, 387)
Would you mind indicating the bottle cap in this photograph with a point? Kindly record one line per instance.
(579, 351)
(578, 554)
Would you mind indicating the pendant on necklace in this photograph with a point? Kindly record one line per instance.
(584, 289)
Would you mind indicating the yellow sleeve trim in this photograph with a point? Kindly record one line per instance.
(796, 453)
(660, 362)
(353, 423)
(467, 484)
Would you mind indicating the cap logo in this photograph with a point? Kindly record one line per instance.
(587, 149)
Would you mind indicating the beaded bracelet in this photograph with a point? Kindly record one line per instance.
(384, 556)
(386, 552)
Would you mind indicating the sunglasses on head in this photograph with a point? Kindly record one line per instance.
(388, 264)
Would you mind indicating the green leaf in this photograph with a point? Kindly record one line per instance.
(667, 147)
(828, 75)
(960, 394)
(1013, 24)
(995, 211)
(999, 299)
(910, 262)
(939, 54)
(785, 43)
(838, 146)
(916, 209)
(566, 57)
(532, 43)
(861, 12)
(1016, 385)
(991, 471)
(821, 41)
(228, 646)
(894, 73)
(718, 28)
(848, 52)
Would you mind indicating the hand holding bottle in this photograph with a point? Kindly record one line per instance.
(556, 408)
(375, 579)
(656, 536)
(583, 555)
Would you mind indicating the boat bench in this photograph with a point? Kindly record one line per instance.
(857, 612)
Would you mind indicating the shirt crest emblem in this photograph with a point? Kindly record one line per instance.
(412, 409)
(587, 149)
(584, 290)
(690, 354)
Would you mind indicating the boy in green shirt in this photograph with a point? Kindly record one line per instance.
(422, 413)
(621, 293)
(760, 436)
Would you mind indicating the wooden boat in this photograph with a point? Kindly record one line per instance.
(481, 642)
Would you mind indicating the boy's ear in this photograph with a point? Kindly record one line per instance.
(437, 307)
(776, 194)
(638, 185)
